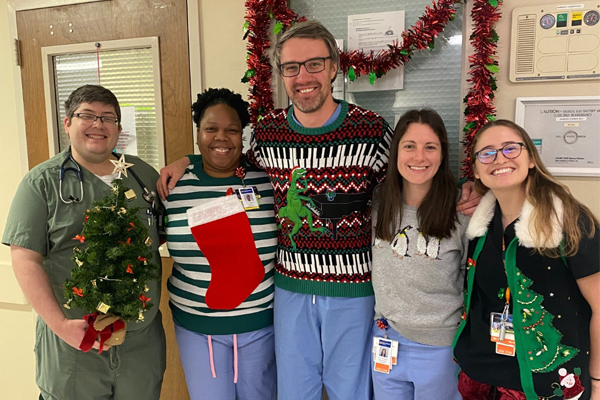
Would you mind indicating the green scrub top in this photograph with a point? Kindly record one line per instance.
(38, 220)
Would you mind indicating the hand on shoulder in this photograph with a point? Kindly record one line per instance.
(170, 175)
(469, 199)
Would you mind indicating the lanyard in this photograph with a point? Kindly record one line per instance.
(505, 312)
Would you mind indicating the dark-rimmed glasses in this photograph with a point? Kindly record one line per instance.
(509, 150)
(90, 118)
(313, 66)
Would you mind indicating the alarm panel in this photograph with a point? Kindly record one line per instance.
(555, 42)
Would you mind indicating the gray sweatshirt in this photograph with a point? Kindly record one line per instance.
(418, 283)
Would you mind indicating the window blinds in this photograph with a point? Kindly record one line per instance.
(128, 73)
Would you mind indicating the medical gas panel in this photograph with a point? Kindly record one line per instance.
(558, 42)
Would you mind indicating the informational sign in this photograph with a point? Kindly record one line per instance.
(375, 32)
(338, 84)
(127, 143)
(566, 132)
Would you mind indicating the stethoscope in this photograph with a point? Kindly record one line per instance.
(147, 195)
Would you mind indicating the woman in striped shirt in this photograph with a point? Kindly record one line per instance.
(221, 287)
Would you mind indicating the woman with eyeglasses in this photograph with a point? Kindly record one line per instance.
(531, 327)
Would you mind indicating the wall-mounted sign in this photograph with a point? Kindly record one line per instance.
(565, 130)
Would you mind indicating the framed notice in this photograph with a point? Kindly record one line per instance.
(565, 130)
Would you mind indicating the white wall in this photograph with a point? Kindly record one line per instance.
(17, 370)
(223, 50)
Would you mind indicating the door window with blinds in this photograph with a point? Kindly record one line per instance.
(130, 69)
(431, 78)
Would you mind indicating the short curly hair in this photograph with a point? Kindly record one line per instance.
(212, 97)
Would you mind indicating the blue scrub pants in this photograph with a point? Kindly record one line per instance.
(422, 372)
(256, 365)
(322, 341)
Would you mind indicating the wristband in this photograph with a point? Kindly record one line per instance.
(594, 379)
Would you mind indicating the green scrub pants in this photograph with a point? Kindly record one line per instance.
(133, 370)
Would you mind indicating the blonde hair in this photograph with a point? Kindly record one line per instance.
(540, 189)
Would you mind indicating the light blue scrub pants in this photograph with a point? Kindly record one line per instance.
(422, 372)
(256, 365)
(322, 341)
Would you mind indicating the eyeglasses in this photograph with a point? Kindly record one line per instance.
(90, 119)
(509, 150)
(313, 66)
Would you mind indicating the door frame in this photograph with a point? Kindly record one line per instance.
(194, 52)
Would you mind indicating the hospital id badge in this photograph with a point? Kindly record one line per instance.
(382, 349)
(394, 349)
(249, 197)
(502, 333)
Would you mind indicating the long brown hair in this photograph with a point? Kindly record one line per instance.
(437, 213)
(540, 189)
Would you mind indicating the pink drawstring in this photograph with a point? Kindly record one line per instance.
(212, 358)
(235, 359)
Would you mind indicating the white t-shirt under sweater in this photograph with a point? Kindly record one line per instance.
(418, 283)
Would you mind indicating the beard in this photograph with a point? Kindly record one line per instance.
(310, 104)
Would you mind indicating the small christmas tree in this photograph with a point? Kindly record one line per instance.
(543, 341)
(112, 267)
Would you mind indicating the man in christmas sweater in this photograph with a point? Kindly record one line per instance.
(324, 157)
(46, 214)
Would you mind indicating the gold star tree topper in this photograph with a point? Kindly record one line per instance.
(121, 166)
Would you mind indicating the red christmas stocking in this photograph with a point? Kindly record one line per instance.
(223, 233)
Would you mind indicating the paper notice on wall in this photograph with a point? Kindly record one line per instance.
(127, 143)
(375, 32)
(338, 84)
(570, 134)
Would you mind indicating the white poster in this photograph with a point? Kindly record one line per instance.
(338, 84)
(127, 143)
(375, 32)
(565, 132)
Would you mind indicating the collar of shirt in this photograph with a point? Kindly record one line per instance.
(333, 117)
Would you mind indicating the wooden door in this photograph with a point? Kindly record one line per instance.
(111, 20)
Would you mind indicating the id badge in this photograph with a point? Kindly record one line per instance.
(394, 349)
(249, 197)
(382, 353)
(502, 333)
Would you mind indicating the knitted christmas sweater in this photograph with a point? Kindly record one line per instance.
(323, 179)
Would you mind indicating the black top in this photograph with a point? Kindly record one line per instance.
(552, 279)
(474, 350)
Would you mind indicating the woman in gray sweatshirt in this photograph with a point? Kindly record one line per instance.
(418, 256)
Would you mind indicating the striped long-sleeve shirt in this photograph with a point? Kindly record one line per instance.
(191, 274)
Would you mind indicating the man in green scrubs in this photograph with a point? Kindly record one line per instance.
(42, 222)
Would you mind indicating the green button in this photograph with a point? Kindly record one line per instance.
(562, 17)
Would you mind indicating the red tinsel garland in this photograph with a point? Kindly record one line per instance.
(258, 20)
(483, 65)
(355, 63)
